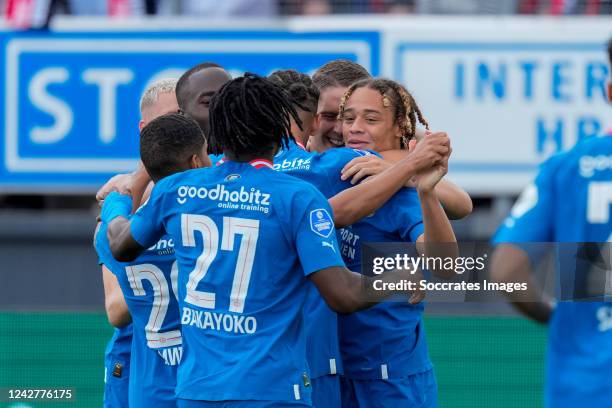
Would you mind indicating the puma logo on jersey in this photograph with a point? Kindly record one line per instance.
(328, 244)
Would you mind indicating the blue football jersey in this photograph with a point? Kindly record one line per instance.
(323, 172)
(387, 340)
(149, 288)
(215, 158)
(245, 238)
(569, 201)
(117, 367)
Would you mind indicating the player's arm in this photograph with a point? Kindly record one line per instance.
(346, 292)
(313, 232)
(530, 220)
(353, 204)
(114, 302)
(456, 202)
(511, 264)
(124, 246)
(438, 239)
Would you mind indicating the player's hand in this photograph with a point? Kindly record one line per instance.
(429, 151)
(363, 167)
(427, 181)
(121, 183)
(417, 297)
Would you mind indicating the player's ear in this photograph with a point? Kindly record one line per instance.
(196, 162)
(610, 91)
(199, 161)
(141, 124)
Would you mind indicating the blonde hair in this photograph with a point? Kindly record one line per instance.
(151, 94)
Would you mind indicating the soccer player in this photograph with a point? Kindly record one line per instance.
(569, 201)
(333, 80)
(246, 237)
(143, 300)
(195, 89)
(323, 172)
(384, 350)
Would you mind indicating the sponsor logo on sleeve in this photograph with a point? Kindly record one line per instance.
(321, 223)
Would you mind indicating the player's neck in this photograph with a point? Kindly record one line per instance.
(246, 158)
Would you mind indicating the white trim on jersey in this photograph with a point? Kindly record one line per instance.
(332, 366)
(383, 372)
(296, 392)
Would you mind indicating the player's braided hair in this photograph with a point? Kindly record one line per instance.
(406, 112)
(340, 72)
(250, 115)
(182, 82)
(299, 87)
(168, 142)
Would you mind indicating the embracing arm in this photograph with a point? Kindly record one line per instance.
(122, 244)
(346, 292)
(352, 204)
(357, 202)
(115, 211)
(114, 303)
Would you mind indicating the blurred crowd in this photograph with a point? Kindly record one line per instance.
(20, 10)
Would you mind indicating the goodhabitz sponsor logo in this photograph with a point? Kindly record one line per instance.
(295, 164)
(249, 199)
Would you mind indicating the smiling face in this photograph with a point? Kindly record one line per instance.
(368, 124)
(328, 129)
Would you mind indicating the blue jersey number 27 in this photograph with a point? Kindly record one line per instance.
(232, 226)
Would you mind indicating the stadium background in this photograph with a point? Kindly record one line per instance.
(509, 89)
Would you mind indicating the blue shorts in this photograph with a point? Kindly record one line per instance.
(326, 392)
(116, 388)
(184, 403)
(414, 391)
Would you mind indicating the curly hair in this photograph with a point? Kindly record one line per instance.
(406, 112)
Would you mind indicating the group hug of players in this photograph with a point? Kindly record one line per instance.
(240, 269)
(239, 288)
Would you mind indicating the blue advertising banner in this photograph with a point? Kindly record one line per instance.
(70, 107)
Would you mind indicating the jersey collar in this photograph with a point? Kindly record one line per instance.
(257, 163)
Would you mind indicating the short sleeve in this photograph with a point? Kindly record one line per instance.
(408, 214)
(146, 224)
(314, 233)
(531, 217)
(331, 163)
